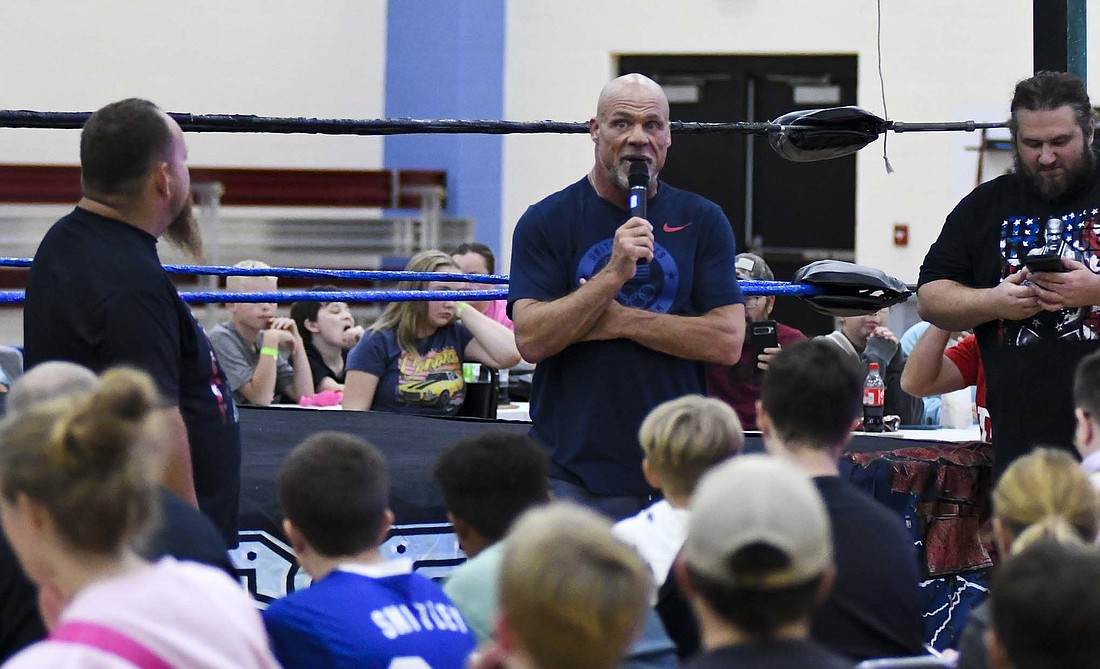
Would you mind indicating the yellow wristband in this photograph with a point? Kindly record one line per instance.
(462, 306)
(267, 350)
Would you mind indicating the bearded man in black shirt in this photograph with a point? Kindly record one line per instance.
(1017, 261)
(98, 296)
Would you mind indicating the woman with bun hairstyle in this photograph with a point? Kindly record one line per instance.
(410, 360)
(78, 489)
(1043, 495)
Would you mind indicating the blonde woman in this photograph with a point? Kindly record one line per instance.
(410, 360)
(78, 488)
(1043, 495)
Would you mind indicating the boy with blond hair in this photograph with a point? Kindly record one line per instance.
(681, 439)
(571, 595)
(248, 346)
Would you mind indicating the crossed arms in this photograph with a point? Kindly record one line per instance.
(590, 313)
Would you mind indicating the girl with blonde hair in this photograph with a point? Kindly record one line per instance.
(1044, 495)
(410, 360)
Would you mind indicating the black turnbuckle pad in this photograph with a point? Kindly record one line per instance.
(848, 289)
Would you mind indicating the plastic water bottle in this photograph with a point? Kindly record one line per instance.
(502, 394)
(874, 397)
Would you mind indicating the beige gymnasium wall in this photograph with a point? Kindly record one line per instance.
(323, 58)
(942, 61)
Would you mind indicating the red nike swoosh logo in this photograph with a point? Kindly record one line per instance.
(669, 228)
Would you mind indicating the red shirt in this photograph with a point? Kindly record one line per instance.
(739, 385)
(967, 358)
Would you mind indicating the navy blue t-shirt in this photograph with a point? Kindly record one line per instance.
(98, 296)
(588, 401)
(426, 381)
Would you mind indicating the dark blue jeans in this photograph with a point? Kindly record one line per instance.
(615, 507)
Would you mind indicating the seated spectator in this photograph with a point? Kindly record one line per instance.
(488, 481)
(931, 402)
(181, 531)
(248, 346)
(571, 596)
(935, 368)
(77, 488)
(867, 339)
(757, 561)
(328, 331)
(812, 397)
(477, 258)
(410, 360)
(681, 440)
(1043, 495)
(1086, 400)
(11, 366)
(1046, 609)
(739, 385)
(361, 610)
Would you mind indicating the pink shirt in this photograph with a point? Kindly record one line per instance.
(188, 614)
(498, 311)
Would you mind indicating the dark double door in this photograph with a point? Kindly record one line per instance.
(790, 213)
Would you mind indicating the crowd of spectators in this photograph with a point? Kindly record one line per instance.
(118, 490)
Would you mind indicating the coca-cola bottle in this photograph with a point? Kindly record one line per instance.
(874, 397)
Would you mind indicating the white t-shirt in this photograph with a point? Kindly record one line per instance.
(658, 533)
(189, 614)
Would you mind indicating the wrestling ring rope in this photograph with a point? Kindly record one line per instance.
(831, 286)
(800, 136)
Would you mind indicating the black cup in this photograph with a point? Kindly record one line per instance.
(481, 400)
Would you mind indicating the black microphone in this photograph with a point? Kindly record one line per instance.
(638, 178)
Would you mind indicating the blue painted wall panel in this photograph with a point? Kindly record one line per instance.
(445, 59)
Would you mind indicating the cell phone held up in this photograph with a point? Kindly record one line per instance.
(1044, 263)
(762, 334)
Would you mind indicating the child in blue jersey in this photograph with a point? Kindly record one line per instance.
(361, 610)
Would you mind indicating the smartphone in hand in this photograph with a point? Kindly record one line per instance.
(763, 335)
(1044, 263)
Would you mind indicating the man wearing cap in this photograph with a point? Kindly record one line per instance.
(757, 561)
(739, 385)
(811, 398)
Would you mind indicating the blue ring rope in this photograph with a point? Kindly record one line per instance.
(295, 272)
(749, 288)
